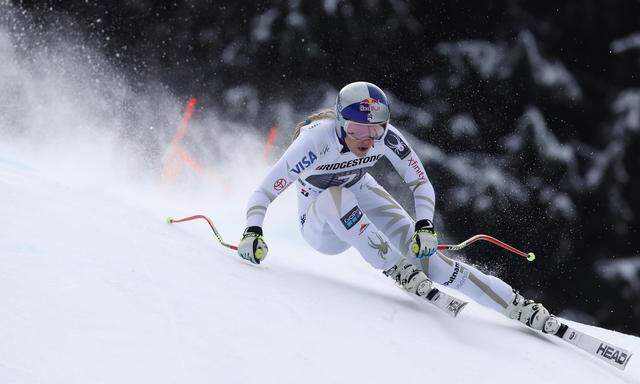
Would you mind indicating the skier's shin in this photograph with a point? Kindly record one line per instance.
(487, 290)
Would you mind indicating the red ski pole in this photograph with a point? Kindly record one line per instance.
(442, 247)
(529, 256)
(171, 220)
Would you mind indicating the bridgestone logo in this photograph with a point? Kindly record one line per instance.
(348, 164)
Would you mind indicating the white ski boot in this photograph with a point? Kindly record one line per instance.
(414, 281)
(552, 325)
(530, 313)
(410, 278)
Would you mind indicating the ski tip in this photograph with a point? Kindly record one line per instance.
(169, 220)
(531, 256)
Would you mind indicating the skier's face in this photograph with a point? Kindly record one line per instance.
(358, 147)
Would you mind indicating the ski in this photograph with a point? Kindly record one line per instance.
(614, 355)
(449, 304)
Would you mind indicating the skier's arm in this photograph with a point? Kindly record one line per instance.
(408, 165)
(424, 242)
(279, 178)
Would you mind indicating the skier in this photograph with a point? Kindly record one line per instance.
(341, 206)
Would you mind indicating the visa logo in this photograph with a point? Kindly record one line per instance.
(304, 163)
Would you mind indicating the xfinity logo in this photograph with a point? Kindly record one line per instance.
(304, 163)
(416, 167)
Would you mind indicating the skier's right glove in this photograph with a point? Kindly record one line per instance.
(252, 246)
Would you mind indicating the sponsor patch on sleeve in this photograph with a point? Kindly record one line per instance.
(280, 184)
(352, 217)
(397, 145)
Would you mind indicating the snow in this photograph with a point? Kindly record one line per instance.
(560, 203)
(262, 25)
(627, 269)
(243, 99)
(627, 107)
(476, 175)
(602, 164)
(550, 74)
(95, 287)
(545, 141)
(330, 6)
(486, 58)
(493, 60)
(627, 43)
(463, 125)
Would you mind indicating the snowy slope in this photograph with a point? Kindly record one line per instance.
(96, 288)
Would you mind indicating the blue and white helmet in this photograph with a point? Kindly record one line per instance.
(361, 102)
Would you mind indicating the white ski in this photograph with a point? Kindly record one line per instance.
(616, 356)
(449, 304)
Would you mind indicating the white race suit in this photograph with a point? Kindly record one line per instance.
(340, 206)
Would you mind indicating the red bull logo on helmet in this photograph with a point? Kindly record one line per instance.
(370, 104)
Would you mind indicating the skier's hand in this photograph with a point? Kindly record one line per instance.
(252, 246)
(424, 242)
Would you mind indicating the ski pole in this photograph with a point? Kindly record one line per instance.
(171, 220)
(442, 247)
(456, 247)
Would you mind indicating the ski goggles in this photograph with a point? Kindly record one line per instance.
(360, 131)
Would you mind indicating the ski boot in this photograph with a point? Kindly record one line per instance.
(531, 314)
(410, 278)
(414, 281)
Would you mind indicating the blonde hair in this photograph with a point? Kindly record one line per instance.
(320, 115)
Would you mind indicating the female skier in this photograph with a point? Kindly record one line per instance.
(340, 205)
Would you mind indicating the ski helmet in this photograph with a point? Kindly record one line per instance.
(360, 102)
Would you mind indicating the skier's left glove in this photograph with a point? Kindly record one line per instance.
(252, 246)
(424, 242)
